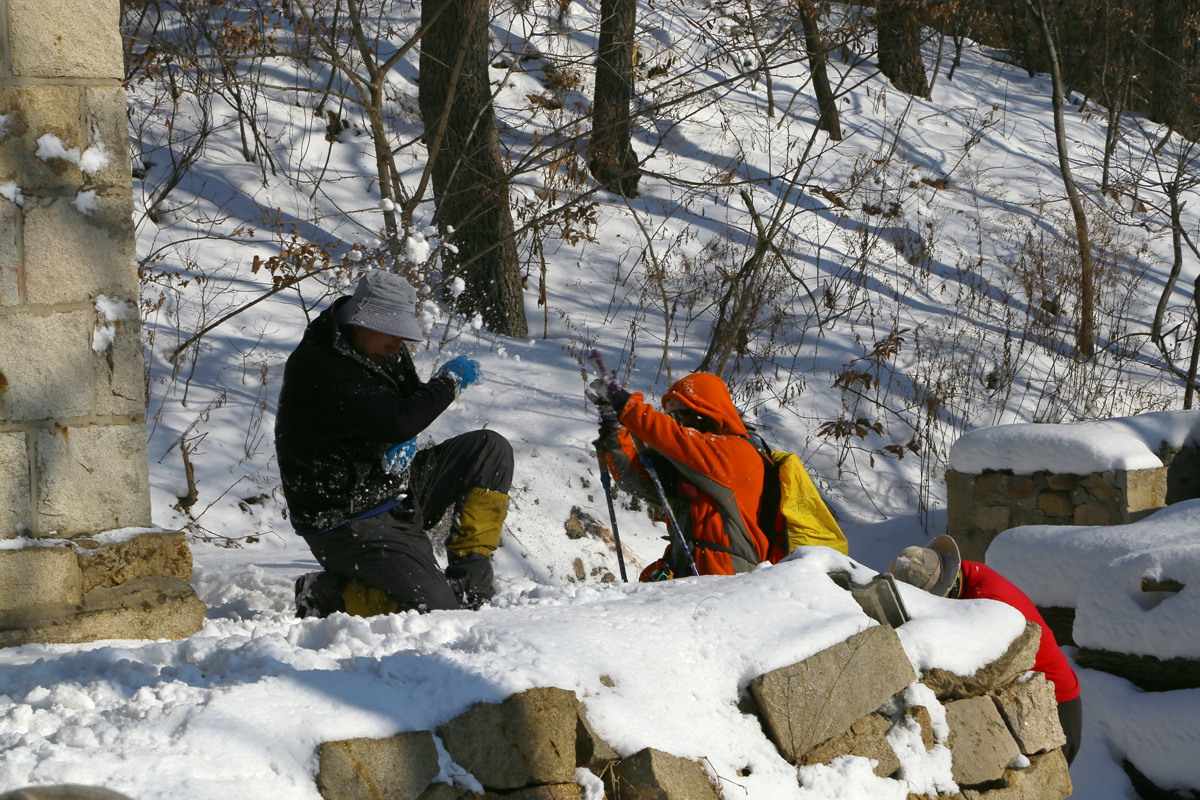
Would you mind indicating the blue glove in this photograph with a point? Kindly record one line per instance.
(397, 459)
(465, 371)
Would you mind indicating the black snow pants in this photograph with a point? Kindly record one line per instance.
(390, 550)
(1070, 716)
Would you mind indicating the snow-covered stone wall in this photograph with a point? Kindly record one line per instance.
(856, 706)
(1106, 472)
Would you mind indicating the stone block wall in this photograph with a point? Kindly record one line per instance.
(72, 388)
(980, 507)
(858, 698)
(131, 586)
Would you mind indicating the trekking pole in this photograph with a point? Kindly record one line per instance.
(677, 532)
(606, 482)
(673, 524)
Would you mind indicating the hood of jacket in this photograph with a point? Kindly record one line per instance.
(706, 394)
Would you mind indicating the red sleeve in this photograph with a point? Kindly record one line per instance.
(982, 582)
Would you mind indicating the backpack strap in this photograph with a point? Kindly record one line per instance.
(793, 513)
(742, 553)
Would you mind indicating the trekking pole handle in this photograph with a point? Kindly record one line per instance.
(597, 362)
(605, 480)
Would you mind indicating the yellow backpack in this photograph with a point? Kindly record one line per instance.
(792, 513)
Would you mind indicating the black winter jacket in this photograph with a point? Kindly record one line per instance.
(339, 413)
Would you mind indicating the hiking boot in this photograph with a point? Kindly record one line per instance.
(367, 601)
(471, 578)
(306, 603)
(318, 594)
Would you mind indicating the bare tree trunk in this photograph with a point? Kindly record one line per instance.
(384, 166)
(735, 310)
(1190, 391)
(469, 183)
(1115, 71)
(762, 51)
(1085, 340)
(829, 121)
(1166, 60)
(1164, 299)
(899, 30)
(957, 60)
(1112, 135)
(611, 159)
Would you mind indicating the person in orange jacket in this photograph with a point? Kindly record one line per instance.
(711, 473)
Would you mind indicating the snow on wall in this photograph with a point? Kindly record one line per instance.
(1115, 614)
(1098, 572)
(1121, 443)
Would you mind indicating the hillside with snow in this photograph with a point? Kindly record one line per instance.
(916, 258)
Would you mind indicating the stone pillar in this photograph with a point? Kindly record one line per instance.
(72, 392)
(73, 458)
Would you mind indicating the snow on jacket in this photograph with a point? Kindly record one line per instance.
(339, 412)
(981, 581)
(715, 481)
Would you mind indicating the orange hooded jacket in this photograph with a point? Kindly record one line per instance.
(720, 475)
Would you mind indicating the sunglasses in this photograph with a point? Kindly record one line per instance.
(688, 418)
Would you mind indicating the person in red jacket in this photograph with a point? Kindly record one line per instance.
(938, 568)
(712, 474)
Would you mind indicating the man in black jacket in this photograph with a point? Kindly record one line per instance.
(357, 488)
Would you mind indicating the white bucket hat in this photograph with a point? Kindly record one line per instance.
(384, 302)
(932, 568)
